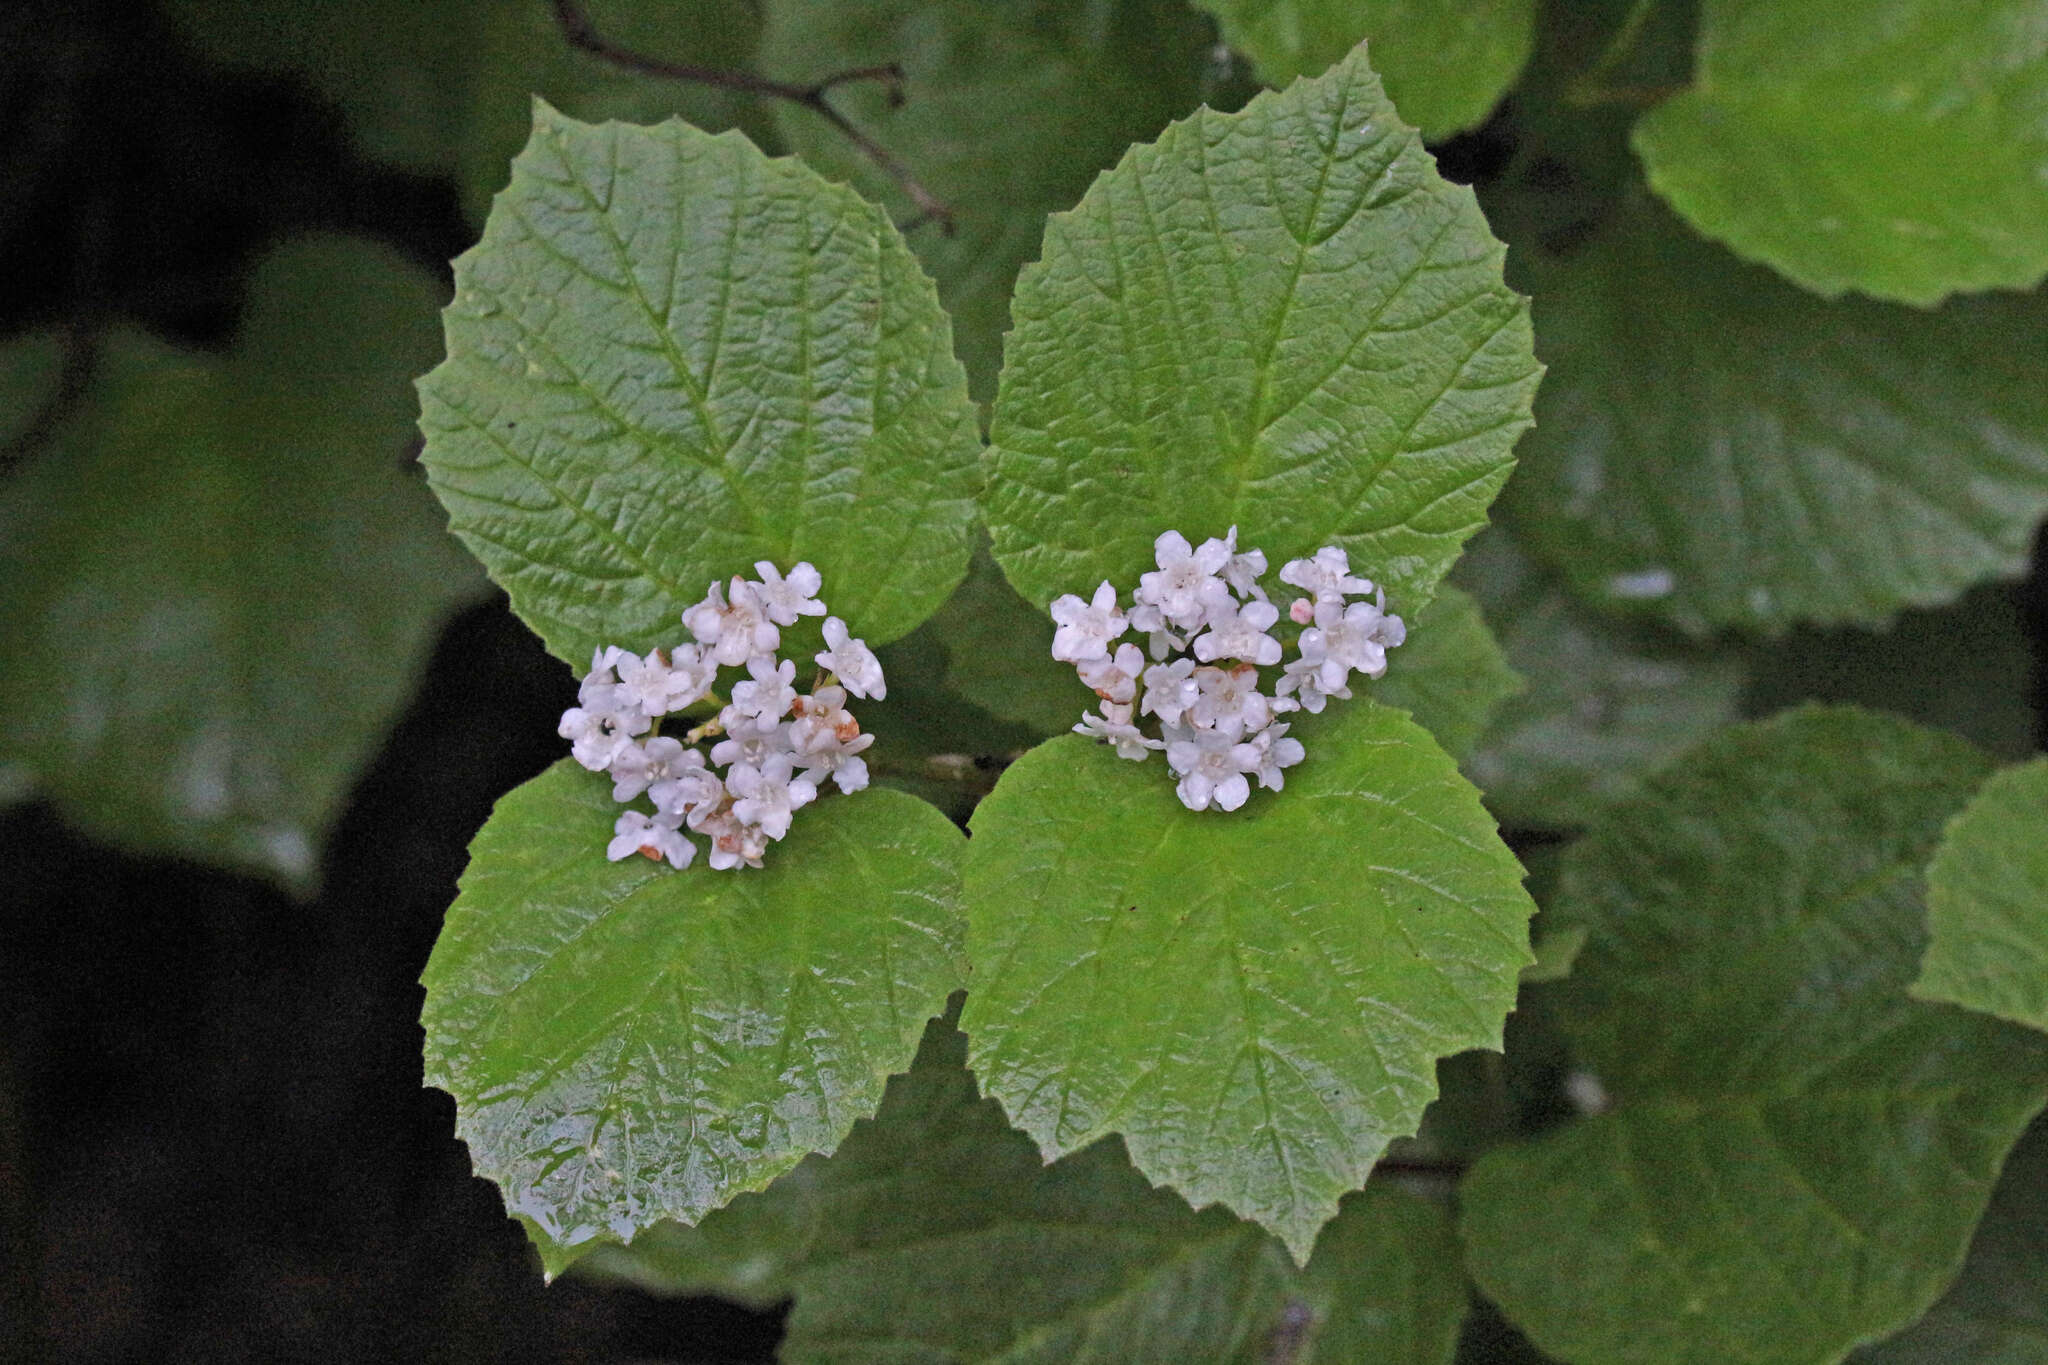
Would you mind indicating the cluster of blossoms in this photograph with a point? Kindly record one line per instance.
(1217, 728)
(775, 745)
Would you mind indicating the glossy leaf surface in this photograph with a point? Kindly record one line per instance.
(1255, 1000)
(1280, 319)
(627, 1042)
(669, 357)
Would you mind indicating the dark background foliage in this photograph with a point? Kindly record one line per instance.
(214, 1143)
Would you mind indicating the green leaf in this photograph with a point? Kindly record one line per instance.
(1450, 675)
(1445, 63)
(1254, 1000)
(627, 1042)
(1386, 1269)
(1893, 148)
(1605, 702)
(1722, 449)
(1983, 688)
(1079, 1260)
(669, 357)
(1797, 1152)
(1012, 108)
(1281, 319)
(221, 577)
(1995, 1314)
(1555, 953)
(1987, 894)
(31, 369)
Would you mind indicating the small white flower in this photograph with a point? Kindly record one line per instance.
(658, 686)
(1229, 701)
(733, 631)
(785, 599)
(654, 835)
(1300, 686)
(827, 741)
(768, 795)
(851, 661)
(1327, 576)
(636, 767)
(750, 741)
(1275, 752)
(733, 843)
(598, 733)
(766, 697)
(1086, 628)
(1159, 641)
(1185, 588)
(1212, 769)
(1243, 571)
(1114, 679)
(1113, 725)
(1350, 637)
(1170, 689)
(693, 792)
(1241, 634)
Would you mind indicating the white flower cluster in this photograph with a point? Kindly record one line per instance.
(1217, 728)
(775, 744)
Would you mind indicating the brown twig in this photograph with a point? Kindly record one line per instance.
(80, 355)
(581, 34)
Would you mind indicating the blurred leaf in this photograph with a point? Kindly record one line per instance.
(1012, 107)
(1450, 675)
(221, 577)
(1556, 951)
(1719, 448)
(1987, 892)
(1797, 1152)
(1282, 319)
(1390, 1287)
(1445, 62)
(1982, 686)
(671, 356)
(1605, 701)
(999, 653)
(627, 1042)
(447, 86)
(1892, 147)
(1996, 1313)
(1254, 1000)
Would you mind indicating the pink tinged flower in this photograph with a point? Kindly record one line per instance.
(1241, 634)
(1170, 689)
(733, 844)
(733, 631)
(1229, 700)
(1326, 577)
(1086, 628)
(748, 741)
(782, 599)
(1351, 637)
(1275, 752)
(654, 836)
(1212, 770)
(1301, 611)
(851, 661)
(636, 767)
(1113, 725)
(767, 796)
(767, 695)
(1185, 588)
(658, 686)
(1115, 679)
(693, 792)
